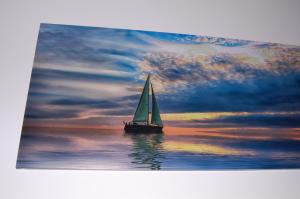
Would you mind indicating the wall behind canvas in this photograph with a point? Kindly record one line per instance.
(269, 20)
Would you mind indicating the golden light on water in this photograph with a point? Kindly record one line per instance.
(203, 148)
(219, 133)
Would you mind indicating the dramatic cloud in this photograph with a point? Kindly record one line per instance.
(173, 70)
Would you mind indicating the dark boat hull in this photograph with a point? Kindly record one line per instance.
(135, 128)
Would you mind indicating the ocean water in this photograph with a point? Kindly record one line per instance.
(112, 149)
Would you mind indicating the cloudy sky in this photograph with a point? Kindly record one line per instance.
(89, 76)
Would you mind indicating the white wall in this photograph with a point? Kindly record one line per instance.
(269, 20)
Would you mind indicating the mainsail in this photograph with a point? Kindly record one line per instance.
(155, 116)
(142, 110)
(141, 113)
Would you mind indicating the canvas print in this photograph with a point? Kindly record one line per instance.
(117, 99)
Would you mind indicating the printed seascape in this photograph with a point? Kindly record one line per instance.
(219, 103)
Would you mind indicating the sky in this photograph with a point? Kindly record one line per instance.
(93, 77)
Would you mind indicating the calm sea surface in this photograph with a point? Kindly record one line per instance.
(58, 148)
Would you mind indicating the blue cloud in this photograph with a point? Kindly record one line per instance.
(172, 37)
(53, 75)
(89, 103)
(33, 112)
(262, 94)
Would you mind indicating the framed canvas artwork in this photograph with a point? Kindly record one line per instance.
(117, 99)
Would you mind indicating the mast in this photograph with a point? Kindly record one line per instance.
(148, 100)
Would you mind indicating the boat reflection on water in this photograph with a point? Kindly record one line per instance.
(147, 150)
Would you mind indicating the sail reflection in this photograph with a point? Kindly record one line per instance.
(147, 150)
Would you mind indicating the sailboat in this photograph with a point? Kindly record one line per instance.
(141, 122)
